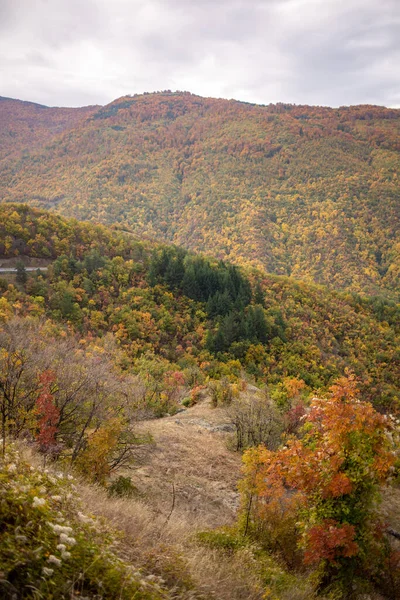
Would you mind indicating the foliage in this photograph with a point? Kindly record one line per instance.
(122, 487)
(222, 392)
(224, 539)
(50, 548)
(256, 422)
(326, 484)
(295, 331)
(47, 411)
(82, 410)
(301, 191)
(22, 275)
(108, 448)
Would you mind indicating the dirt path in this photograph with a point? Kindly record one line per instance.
(190, 466)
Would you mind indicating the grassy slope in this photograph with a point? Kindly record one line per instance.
(191, 455)
(304, 191)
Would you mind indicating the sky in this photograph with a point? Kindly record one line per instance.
(320, 52)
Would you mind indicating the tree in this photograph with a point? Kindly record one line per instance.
(22, 276)
(330, 478)
(256, 421)
(48, 413)
(20, 350)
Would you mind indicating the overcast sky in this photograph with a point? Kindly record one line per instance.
(78, 52)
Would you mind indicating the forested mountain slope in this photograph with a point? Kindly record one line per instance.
(308, 192)
(26, 125)
(181, 320)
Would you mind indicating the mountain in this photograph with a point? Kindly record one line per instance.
(26, 125)
(307, 192)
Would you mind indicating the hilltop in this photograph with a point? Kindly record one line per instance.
(306, 192)
(26, 125)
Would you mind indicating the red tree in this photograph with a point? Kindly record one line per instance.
(47, 411)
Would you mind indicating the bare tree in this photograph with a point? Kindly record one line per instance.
(88, 389)
(20, 347)
(256, 422)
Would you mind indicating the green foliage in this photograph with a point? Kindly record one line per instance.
(22, 276)
(227, 539)
(50, 548)
(221, 287)
(250, 326)
(122, 487)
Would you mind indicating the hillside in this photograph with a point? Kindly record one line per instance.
(306, 192)
(170, 311)
(26, 125)
(149, 394)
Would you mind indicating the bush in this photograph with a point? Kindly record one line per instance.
(256, 422)
(222, 539)
(327, 486)
(222, 392)
(50, 549)
(122, 487)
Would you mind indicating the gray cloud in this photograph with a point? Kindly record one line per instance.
(75, 52)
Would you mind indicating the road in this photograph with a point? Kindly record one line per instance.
(14, 270)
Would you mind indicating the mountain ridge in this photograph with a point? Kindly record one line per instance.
(309, 192)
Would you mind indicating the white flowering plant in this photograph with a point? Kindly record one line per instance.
(48, 550)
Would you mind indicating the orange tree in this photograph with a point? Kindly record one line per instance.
(321, 490)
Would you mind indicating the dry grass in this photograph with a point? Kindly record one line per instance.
(151, 543)
(390, 508)
(205, 474)
(191, 461)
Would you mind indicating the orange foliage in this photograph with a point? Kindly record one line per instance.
(329, 477)
(329, 540)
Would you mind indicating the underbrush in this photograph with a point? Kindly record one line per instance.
(120, 547)
(50, 549)
(270, 576)
(63, 538)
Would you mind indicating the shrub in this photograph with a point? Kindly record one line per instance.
(223, 539)
(222, 392)
(330, 480)
(256, 422)
(123, 487)
(50, 549)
